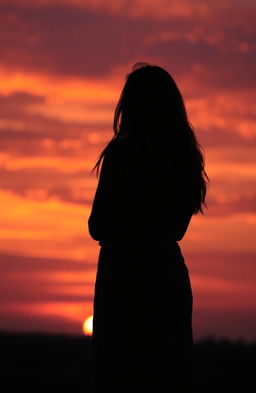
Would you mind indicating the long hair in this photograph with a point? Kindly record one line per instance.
(151, 111)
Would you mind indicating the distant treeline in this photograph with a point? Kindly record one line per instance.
(46, 362)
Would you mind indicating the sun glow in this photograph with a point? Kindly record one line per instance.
(88, 326)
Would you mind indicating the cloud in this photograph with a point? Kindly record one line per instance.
(19, 292)
(204, 263)
(43, 184)
(226, 114)
(133, 8)
(208, 64)
(67, 41)
(51, 289)
(143, 8)
(49, 228)
(17, 264)
(19, 318)
(32, 126)
(87, 40)
(226, 234)
(18, 101)
(211, 137)
(243, 203)
(223, 292)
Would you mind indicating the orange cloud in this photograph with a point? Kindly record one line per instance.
(46, 228)
(225, 111)
(58, 89)
(218, 293)
(64, 164)
(231, 233)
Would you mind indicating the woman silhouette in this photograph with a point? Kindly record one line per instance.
(152, 181)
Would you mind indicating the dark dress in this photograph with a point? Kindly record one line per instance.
(142, 330)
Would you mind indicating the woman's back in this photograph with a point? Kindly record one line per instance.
(142, 195)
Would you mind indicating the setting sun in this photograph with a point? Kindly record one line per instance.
(88, 325)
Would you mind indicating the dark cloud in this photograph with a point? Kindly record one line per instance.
(218, 323)
(219, 137)
(17, 102)
(18, 291)
(24, 321)
(16, 270)
(38, 135)
(47, 143)
(16, 106)
(223, 264)
(10, 263)
(29, 182)
(210, 65)
(213, 314)
(63, 40)
(243, 204)
(67, 41)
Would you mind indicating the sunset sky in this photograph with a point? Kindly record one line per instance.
(62, 67)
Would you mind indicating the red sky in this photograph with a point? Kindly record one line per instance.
(62, 67)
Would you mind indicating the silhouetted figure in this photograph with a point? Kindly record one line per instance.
(151, 182)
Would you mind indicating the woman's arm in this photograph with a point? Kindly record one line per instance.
(119, 208)
(137, 202)
(96, 218)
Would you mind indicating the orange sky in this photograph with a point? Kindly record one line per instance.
(62, 67)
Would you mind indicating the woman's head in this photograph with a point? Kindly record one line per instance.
(151, 111)
(150, 105)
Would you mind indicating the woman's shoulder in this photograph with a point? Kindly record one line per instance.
(130, 153)
(116, 157)
(121, 149)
